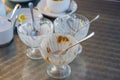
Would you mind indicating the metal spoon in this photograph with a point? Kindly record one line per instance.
(69, 9)
(14, 10)
(71, 26)
(34, 31)
(64, 50)
(95, 18)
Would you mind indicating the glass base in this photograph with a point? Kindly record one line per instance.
(59, 72)
(33, 53)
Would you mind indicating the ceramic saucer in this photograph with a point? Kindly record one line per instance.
(20, 0)
(44, 10)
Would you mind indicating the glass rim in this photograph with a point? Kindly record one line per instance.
(71, 15)
(51, 27)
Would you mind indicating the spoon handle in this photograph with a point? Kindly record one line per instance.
(14, 10)
(31, 9)
(89, 36)
(95, 18)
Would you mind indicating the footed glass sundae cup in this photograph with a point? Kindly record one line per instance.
(50, 49)
(43, 27)
(75, 24)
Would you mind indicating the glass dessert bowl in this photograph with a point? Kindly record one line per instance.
(43, 27)
(50, 49)
(75, 24)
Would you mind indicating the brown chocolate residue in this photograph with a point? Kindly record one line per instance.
(62, 38)
(65, 39)
(47, 59)
(48, 49)
(59, 40)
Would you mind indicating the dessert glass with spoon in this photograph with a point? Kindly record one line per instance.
(49, 46)
(43, 26)
(75, 24)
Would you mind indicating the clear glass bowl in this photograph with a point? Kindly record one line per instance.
(43, 26)
(74, 24)
(59, 67)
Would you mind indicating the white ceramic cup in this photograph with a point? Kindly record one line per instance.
(57, 6)
(6, 31)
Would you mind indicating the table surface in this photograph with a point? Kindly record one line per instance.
(99, 60)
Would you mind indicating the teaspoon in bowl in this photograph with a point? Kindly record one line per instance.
(64, 50)
(34, 31)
